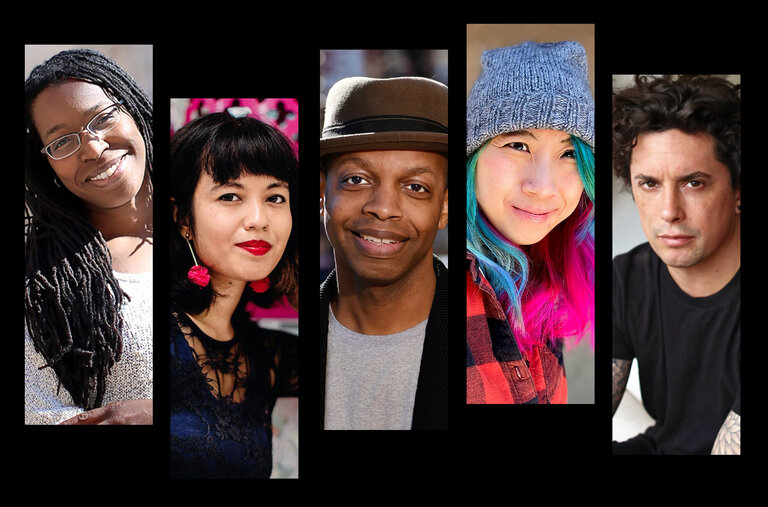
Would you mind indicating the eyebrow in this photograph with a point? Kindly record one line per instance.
(520, 133)
(567, 139)
(277, 184)
(695, 175)
(357, 161)
(409, 172)
(228, 184)
(239, 186)
(88, 112)
(417, 171)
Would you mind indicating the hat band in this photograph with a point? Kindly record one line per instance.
(384, 124)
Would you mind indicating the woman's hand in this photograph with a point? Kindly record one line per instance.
(119, 412)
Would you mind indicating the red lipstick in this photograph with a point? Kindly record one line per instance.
(255, 247)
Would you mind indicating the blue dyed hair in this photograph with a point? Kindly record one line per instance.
(565, 275)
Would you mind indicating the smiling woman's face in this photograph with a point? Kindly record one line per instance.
(240, 228)
(527, 182)
(107, 171)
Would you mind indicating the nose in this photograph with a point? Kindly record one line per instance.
(671, 209)
(91, 145)
(539, 179)
(255, 216)
(383, 203)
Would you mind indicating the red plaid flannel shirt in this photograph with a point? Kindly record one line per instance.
(498, 371)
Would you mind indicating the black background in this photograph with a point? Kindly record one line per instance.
(488, 450)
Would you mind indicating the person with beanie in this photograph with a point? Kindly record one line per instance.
(530, 221)
(384, 307)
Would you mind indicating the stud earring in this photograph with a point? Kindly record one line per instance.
(197, 274)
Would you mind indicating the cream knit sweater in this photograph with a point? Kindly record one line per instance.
(130, 378)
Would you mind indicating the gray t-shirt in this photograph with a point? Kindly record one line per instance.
(371, 380)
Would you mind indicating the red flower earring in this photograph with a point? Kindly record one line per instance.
(197, 274)
(260, 285)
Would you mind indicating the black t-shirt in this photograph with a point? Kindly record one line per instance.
(688, 350)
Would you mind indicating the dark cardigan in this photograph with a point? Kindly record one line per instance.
(430, 408)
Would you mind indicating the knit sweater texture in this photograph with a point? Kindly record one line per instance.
(130, 378)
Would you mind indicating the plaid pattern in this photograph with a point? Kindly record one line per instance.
(498, 371)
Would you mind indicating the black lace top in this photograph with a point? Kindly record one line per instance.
(222, 396)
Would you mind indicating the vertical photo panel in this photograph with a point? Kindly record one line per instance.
(676, 349)
(530, 190)
(88, 294)
(234, 368)
(383, 326)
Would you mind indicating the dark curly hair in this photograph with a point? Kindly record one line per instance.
(692, 104)
(226, 148)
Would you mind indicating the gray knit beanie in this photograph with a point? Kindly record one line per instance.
(529, 86)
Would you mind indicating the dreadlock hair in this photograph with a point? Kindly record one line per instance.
(227, 148)
(72, 299)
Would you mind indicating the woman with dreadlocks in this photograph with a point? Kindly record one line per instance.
(88, 283)
(530, 246)
(233, 191)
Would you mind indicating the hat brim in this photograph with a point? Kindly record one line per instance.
(373, 141)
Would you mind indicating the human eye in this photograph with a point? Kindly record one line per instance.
(648, 184)
(277, 199)
(108, 114)
(229, 197)
(694, 184)
(417, 188)
(61, 142)
(354, 180)
(105, 118)
(518, 146)
(569, 154)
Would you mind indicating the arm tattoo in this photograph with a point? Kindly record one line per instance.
(621, 369)
(728, 439)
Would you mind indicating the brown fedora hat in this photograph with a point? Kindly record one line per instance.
(402, 113)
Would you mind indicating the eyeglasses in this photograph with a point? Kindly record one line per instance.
(99, 125)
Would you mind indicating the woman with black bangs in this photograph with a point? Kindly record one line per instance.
(233, 189)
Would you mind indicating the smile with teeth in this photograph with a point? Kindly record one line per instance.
(108, 172)
(374, 239)
(381, 241)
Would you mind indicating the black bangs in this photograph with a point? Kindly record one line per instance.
(238, 146)
(227, 148)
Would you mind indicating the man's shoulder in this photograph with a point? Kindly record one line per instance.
(437, 263)
(636, 272)
(328, 287)
(441, 273)
(641, 258)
